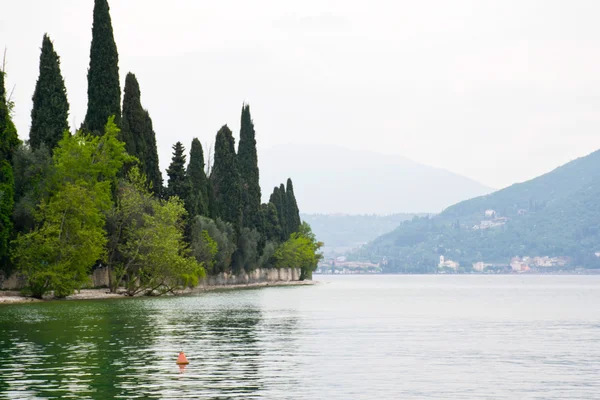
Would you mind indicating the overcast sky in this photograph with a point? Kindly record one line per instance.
(499, 91)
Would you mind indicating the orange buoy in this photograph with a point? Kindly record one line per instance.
(182, 360)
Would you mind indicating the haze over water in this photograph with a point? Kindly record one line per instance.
(359, 337)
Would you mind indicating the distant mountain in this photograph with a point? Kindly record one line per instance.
(342, 233)
(331, 179)
(555, 215)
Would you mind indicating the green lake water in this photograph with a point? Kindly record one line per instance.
(363, 337)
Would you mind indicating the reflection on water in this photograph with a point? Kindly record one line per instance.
(502, 337)
(127, 348)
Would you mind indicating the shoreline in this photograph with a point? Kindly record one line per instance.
(15, 297)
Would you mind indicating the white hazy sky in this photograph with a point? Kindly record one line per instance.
(499, 91)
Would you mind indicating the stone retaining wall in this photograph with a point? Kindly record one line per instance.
(99, 278)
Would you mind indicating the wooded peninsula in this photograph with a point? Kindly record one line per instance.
(72, 202)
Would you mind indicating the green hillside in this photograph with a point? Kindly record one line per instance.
(555, 215)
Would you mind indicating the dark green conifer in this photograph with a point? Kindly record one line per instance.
(151, 166)
(293, 213)
(226, 179)
(104, 90)
(277, 199)
(270, 223)
(9, 141)
(197, 202)
(133, 123)
(213, 209)
(178, 183)
(50, 112)
(138, 134)
(248, 166)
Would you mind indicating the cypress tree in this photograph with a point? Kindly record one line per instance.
(271, 226)
(277, 200)
(293, 213)
(226, 179)
(178, 183)
(248, 166)
(134, 119)
(151, 165)
(50, 110)
(283, 214)
(104, 90)
(213, 210)
(138, 134)
(197, 202)
(9, 141)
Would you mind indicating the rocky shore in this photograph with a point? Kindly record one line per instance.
(15, 297)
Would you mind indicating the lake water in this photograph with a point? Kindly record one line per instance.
(351, 337)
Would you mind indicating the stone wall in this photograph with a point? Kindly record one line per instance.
(13, 282)
(100, 278)
(256, 276)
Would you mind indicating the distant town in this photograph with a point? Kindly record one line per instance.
(526, 264)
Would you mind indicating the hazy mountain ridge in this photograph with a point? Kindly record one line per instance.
(556, 214)
(342, 233)
(333, 179)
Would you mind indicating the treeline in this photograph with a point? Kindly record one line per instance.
(70, 203)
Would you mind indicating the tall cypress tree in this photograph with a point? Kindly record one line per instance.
(293, 213)
(104, 90)
(151, 164)
(133, 123)
(178, 183)
(248, 166)
(9, 141)
(138, 133)
(277, 200)
(271, 226)
(283, 214)
(50, 110)
(197, 202)
(226, 179)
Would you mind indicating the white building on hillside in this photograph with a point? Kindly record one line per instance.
(447, 263)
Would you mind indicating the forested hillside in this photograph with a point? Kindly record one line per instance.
(555, 215)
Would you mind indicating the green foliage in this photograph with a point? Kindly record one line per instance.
(226, 179)
(138, 134)
(34, 180)
(293, 213)
(70, 237)
(248, 167)
(178, 184)
(205, 249)
(270, 222)
(151, 166)
(9, 141)
(222, 233)
(301, 250)
(6, 209)
(267, 259)
(104, 89)
(50, 111)
(246, 255)
(197, 201)
(146, 245)
(278, 199)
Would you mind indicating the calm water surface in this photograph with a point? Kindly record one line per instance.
(369, 337)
